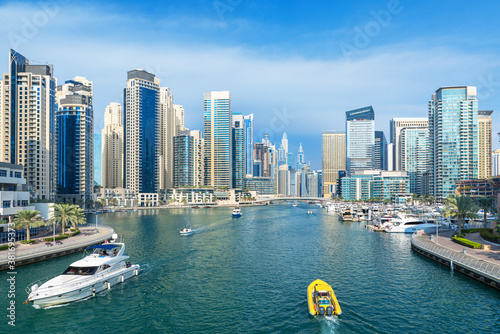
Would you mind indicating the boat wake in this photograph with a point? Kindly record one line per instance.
(330, 324)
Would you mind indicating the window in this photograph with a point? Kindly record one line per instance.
(18, 175)
(6, 204)
(3, 172)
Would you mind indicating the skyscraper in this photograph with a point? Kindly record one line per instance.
(484, 119)
(396, 126)
(112, 147)
(142, 132)
(300, 157)
(248, 124)
(333, 159)
(28, 122)
(75, 140)
(238, 151)
(168, 126)
(360, 139)
(380, 161)
(453, 135)
(414, 148)
(179, 118)
(262, 159)
(495, 169)
(98, 158)
(217, 116)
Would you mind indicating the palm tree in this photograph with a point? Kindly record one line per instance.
(78, 218)
(28, 219)
(487, 204)
(66, 213)
(461, 207)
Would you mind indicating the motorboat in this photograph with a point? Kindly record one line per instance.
(409, 225)
(103, 266)
(310, 212)
(346, 214)
(321, 299)
(294, 204)
(237, 212)
(187, 230)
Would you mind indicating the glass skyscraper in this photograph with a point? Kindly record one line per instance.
(75, 140)
(142, 128)
(380, 161)
(333, 159)
(360, 139)
(238, 152)
(414, 147)
(217, 117)
(453, 135)
(98, 158)
(248, 124)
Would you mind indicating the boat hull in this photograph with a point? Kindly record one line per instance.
(236, 215)
(319, 285)
(84, 290)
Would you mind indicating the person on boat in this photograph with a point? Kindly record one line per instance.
(115, 252)
(104, 253)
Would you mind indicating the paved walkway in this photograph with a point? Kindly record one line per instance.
(492, 255)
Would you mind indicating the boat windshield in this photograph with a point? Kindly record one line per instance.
(324, 302)
(80, 271)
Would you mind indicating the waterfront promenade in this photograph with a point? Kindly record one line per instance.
(482, 265)
(26, 253)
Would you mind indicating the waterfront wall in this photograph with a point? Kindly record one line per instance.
(481, 270)
(37, 254)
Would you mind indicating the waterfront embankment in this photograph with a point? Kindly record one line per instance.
(480, 264)
(30, 253)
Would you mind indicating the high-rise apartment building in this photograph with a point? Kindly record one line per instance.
(238, 151)
(380, 158)
(495, 169)
(360, 139)
(415, 150)
(142, 132)
(453, 135)
(179, 118)
(333, 159)
(217, 116)
(300, 157)
(112, 147)
(75, 140)
(167, 132)
(249, 141)
(396, 126)
(484, 163)
(98, 159)
(262, 160)
(27, 122)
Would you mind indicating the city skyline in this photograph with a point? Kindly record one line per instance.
(380, 63)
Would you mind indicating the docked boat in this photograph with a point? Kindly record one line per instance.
(409, 225)
(346, 214)
(310, 212)
(102, 267)
(237, 212)
(187, 230)
(294, 204)
(321, 299)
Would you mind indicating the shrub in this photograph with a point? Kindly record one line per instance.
(76, 233)
(466, 243)
(4, 247)
(57, 238)
(487, 234)
(28, 242)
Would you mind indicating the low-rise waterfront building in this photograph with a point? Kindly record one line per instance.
(489, 187)
(14, 194)
(260, 184)
(147, 199)
(120, 196)
(366, 184)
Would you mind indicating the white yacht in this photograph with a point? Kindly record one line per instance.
(409, 225)
(309, 212)
(98, 271)
(237, 212)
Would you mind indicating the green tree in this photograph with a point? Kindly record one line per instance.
(487, 204)
(67, 213)
(28, 219)
(461, 207)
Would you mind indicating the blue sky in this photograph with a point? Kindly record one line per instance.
(298, 66)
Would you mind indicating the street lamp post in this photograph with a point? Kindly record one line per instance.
(54, 233)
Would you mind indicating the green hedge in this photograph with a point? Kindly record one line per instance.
(4, 247)
(28, 242)
(465, 242)
(76, 233)
(487, 234)
(57, 238)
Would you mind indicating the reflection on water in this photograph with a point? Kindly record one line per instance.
(251, 275)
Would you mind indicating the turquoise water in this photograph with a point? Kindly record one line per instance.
(250, 275)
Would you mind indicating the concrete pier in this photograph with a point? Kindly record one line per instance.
(26, 254)
(482, 265)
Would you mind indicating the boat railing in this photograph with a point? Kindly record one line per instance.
(483, 266)
(67, 244)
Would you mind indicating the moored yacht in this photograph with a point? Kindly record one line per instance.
(237, 212)
(409, 225)
(104, 267)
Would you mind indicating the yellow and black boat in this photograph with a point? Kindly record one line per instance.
(321, 299)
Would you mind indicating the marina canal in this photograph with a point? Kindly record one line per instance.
(250, 275)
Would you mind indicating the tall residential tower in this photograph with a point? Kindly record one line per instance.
(333, 159)
(360, 139)
(112, 147)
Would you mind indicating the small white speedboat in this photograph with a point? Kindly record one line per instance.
(294, 204)
(237, 212)
(187, 231)
(96, 272)
(310, 212)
